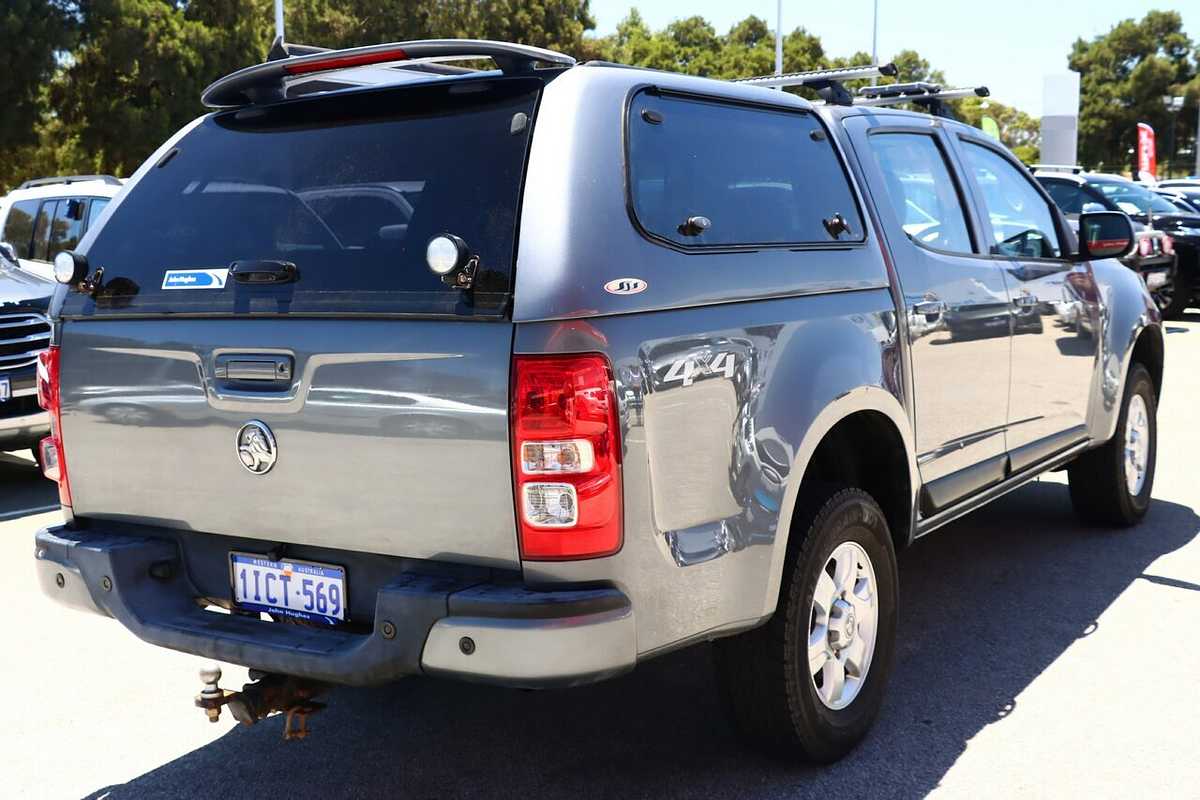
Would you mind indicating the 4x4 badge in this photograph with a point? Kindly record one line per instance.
(256, 447)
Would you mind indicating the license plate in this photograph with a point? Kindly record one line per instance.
(5, 389)
(298, 589)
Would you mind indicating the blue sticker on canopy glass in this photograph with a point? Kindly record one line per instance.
(195, 279)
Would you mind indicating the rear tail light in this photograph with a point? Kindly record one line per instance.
(566, 457)
(1168, 245)
(1146, 247)
(54, 459)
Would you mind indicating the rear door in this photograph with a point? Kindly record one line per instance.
(956, 301)
(382, 390)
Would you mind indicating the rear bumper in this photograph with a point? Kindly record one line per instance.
(517, 636)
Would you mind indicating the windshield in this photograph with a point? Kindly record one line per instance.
(348, 188)
(1133, 199)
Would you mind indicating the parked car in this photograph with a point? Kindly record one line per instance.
(677, 315)
(1185, 200)
(43, 217)
(1076, 191)
(24, 333)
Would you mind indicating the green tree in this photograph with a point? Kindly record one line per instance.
(1124, 76)
(31, 33)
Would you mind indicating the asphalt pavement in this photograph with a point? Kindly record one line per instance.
(1037, 657)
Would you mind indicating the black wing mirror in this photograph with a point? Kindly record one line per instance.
(1104, 234)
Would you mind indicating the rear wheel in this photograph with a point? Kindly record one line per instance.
(1111, 485)
(808, 684)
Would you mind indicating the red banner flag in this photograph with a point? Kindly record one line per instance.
(1147, 164)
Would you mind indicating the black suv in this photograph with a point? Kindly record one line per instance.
(1077, 192)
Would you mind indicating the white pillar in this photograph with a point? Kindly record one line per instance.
(778, 37)
(279, 18)
(1060, 119)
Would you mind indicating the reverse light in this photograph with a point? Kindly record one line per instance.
(566, 457)
(53, 457)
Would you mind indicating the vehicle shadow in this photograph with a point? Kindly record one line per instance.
(988, 604)
(23, 489)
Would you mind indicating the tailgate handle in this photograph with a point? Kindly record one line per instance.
(266, 368)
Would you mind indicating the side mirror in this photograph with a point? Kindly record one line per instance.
(9, 253)
(1107, 234)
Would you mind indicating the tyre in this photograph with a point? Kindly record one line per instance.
(1172, 299)
(1111, 485)
(808, 684)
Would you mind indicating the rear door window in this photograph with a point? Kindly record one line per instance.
(349, 188)
(759, 176)
(18, 227)
(39, 250)
(66, 228)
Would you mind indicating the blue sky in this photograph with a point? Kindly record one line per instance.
(1008, 46)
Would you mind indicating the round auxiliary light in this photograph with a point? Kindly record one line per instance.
(444, 253)
(69, 267)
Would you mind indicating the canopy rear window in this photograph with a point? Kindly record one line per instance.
(349, 188)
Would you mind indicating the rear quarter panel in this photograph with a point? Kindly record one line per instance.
(729, 367)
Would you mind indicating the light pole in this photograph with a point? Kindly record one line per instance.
(1173, 104)
(279, 19)
(875, 39)
(779, 38)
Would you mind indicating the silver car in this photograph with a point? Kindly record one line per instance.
(530, 374)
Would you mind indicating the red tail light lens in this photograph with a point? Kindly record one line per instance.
(566, 457)
(54, 459)
(1146, 247)
(1168, 245)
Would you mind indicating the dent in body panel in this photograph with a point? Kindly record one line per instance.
(710, 468)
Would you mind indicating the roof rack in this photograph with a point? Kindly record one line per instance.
(109, 179)
(828, 83)
(267, 82)
(930, 95)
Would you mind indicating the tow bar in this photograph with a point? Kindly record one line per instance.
(266, 694)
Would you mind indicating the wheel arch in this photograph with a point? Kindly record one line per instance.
(835, 446)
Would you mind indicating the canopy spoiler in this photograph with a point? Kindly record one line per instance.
(266, 82)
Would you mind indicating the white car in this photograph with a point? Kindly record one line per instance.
(42, 217)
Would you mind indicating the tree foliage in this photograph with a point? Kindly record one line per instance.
(96, 85)
(1124, 76)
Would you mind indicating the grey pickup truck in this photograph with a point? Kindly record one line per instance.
(393, 366)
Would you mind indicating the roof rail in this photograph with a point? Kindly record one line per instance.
(1074, 169)
(827, 82)
(266, 82)
(930, 95)
(109, 179)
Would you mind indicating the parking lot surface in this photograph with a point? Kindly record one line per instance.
(1036, 657)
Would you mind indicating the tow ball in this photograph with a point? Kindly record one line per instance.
(263, 696)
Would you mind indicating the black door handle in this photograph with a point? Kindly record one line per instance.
(264, 272)
(257, 369)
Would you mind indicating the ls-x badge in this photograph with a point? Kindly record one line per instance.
(256, 447)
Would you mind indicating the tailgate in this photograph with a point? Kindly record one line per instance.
(390, 436)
